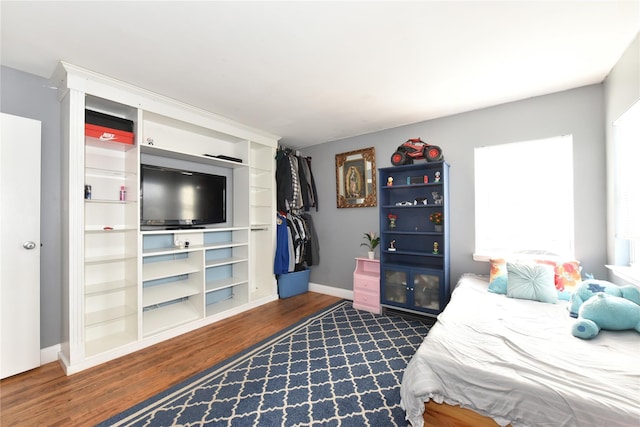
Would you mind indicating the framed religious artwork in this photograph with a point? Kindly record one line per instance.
(356, 179)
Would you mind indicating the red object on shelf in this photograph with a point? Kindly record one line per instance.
(105, 134)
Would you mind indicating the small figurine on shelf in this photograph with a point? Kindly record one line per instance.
(392, 246)
(435, 248)
(437, 198)
(390, 181)
(438, 176)
(392, 220)
(420, 201)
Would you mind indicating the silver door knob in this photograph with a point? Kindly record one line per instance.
(29, 245)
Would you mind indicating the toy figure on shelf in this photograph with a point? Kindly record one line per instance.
(392, 246)
(390, 181)
(437, 198)
(420, 201)
(435, 248)
(392, 220)
(438, 176)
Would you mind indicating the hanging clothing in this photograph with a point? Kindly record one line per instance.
(281, 262)
(311, 184)
(313, 248)
(295, 185)
(297, 244)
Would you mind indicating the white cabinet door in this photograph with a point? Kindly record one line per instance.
(20, 248)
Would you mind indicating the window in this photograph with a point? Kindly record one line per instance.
(524, 198)
(627, 177)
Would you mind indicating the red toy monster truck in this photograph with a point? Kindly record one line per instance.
(416, 149)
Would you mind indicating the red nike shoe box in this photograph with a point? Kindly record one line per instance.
(108, 134)
(107, 128)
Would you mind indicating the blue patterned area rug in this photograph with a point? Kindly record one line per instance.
(339, 367)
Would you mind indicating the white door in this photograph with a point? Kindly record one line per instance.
(20, 247)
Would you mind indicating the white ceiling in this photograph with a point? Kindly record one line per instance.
(318, 71)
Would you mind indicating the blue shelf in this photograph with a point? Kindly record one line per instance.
(415, 237)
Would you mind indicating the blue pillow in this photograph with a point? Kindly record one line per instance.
(531, 281)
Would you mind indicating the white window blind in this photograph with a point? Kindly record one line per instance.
(524, 198)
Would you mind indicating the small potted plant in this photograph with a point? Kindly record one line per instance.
(437, 219)
(371, 243)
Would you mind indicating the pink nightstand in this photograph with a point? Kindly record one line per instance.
(366, 285)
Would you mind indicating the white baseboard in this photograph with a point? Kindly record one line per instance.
(330, 290)
(49, 354)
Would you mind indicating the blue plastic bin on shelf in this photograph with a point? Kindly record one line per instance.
(295, 283)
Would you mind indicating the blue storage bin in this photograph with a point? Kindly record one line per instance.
(295, 283)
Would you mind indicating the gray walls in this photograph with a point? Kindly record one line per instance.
(30, 96)
(579, 112)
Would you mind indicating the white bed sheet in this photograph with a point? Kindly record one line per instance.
(517, 362)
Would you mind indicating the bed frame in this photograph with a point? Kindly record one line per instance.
(443, 415)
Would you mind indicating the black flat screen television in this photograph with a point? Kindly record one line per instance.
(175, 198)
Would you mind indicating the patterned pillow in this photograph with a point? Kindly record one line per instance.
(566, 276)
(498, 276)
(531, 281)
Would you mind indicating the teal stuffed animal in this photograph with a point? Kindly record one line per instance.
(604, 311)
(590, 287)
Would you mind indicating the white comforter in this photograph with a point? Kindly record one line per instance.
(517, 362)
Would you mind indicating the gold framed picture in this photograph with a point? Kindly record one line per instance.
(356, 179)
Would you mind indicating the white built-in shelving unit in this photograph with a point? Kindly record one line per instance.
(128, 287)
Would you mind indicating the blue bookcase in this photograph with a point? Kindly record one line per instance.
(414, 251)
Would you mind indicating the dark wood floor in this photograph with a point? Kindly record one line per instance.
(47, 397)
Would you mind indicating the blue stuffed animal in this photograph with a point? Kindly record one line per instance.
(590, 287)
(604, 311)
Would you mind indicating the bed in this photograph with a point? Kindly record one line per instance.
(515, 362)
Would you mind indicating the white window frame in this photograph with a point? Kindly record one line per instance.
(626, 134)
(522, 187)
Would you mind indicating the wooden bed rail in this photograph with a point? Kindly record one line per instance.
(443, 415)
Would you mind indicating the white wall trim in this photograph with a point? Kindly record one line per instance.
(49, 354)
(330, 290)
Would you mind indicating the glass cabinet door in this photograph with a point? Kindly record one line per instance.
(426, 291)
(395, 286)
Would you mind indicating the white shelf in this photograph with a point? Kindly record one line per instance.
(107, 173)
(108, 258)
(215, 285)
(224, 261)
(94, 318)
(225, 245)
(156, 151)
(106, 145)
(161, 270)
(170, 251)
(192, 231)
(158, 294)
(109, 201)
(116, 228)
(167, 317)
(99, 288)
